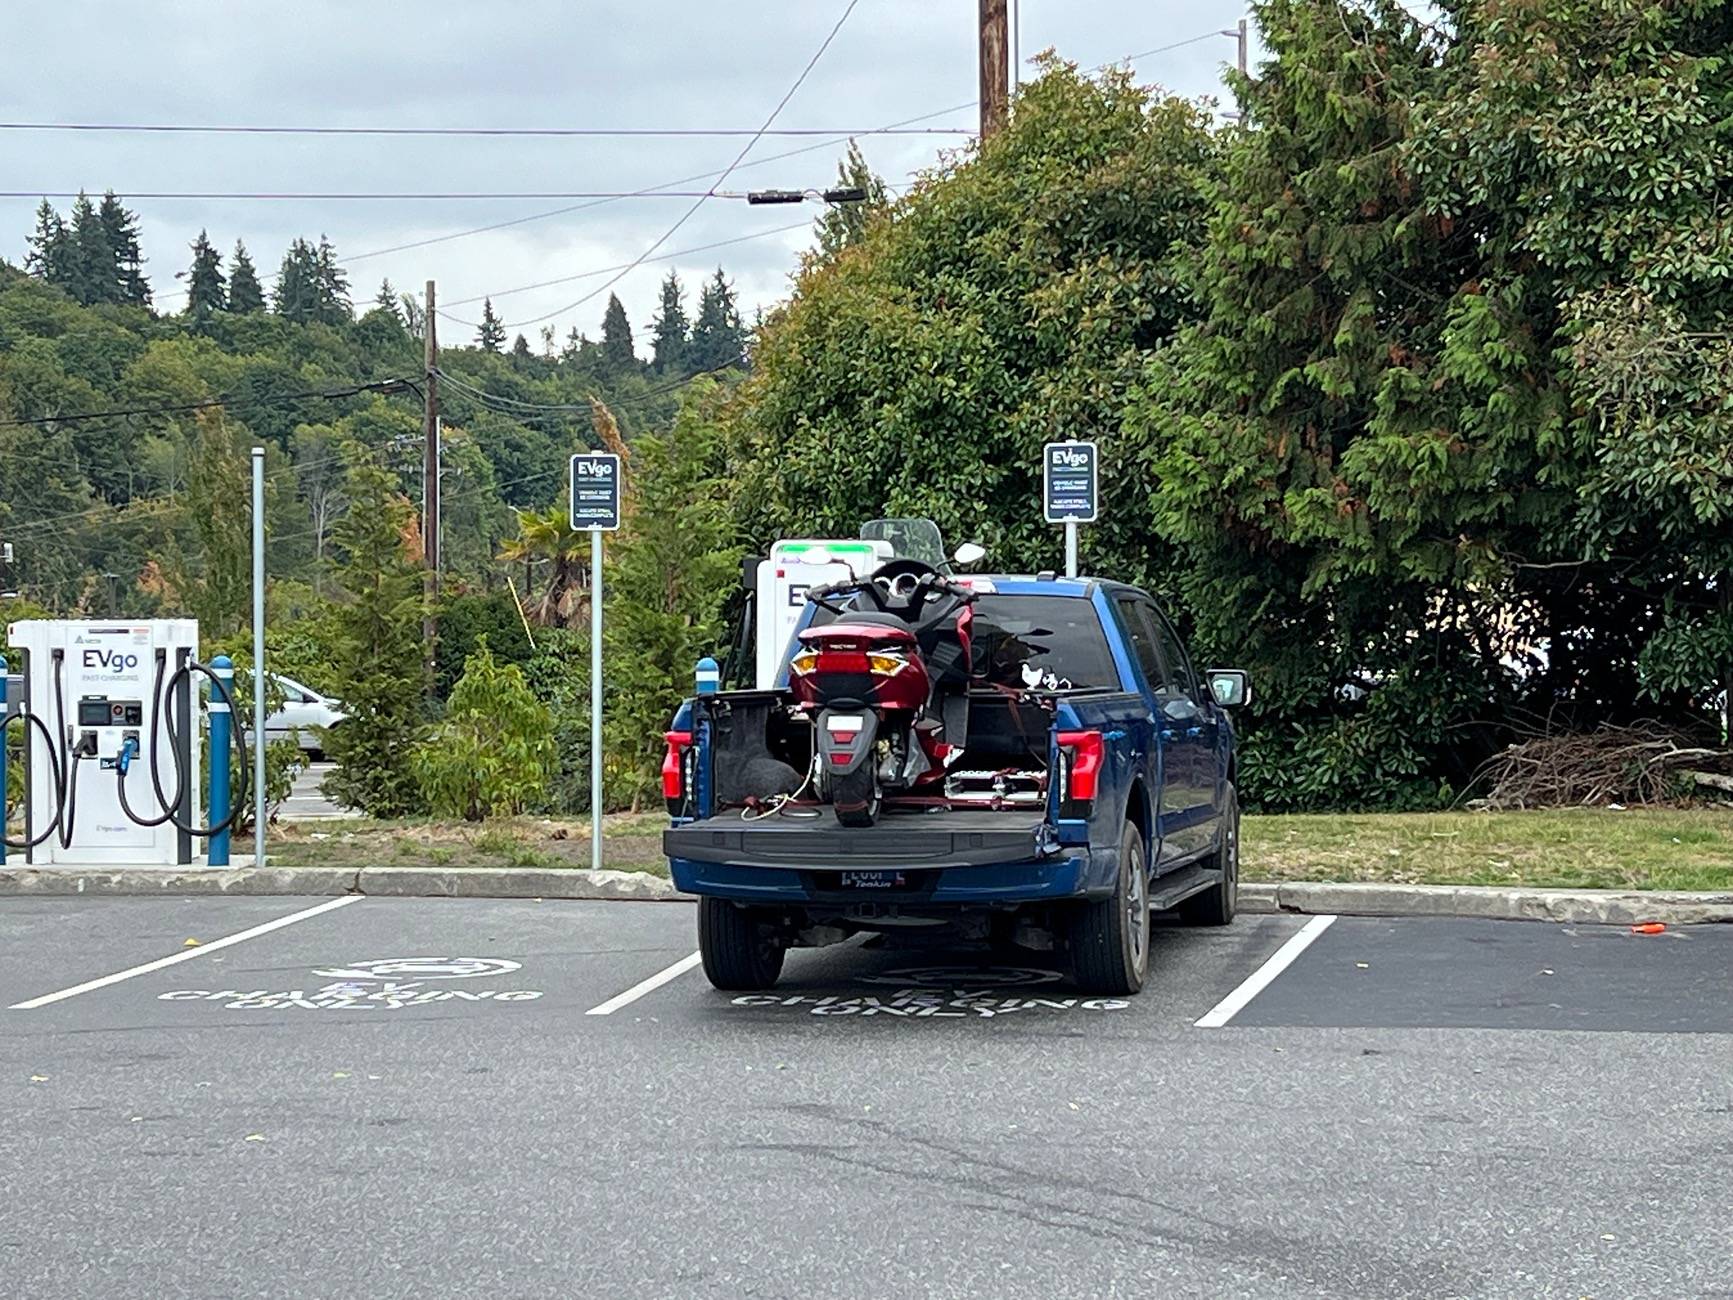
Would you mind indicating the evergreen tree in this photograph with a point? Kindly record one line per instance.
(296, 296)
(377, 653)
(669, 569)
(92, 273)
(520, 351)
(206, 289)
(491, 335)
(333, 286)
(50, 248)
(120, 227)
(845, 224)
(387, 301)
(245, 292)
(718, 337)
(671, 332)
(214, 580)
(617, 346)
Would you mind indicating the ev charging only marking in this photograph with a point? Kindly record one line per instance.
(1260, 979)
(176, 958)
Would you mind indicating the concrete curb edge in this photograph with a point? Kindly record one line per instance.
(1490, 902)
(1563, 906)
(384, 882)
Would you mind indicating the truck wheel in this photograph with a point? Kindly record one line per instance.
(856, 796)
(1110, 938)
(1215, 906)
(739, 953)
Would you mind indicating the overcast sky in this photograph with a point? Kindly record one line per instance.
(533, 63)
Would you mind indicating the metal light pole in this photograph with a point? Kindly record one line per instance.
(258, 656)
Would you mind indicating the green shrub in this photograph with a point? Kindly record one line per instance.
(493, 755)
(465, 621)
(560, 677)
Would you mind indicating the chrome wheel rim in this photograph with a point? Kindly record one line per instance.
(1137, 913)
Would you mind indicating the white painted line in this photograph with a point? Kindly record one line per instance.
(225, 942)
(1264, 975)
(650, 985)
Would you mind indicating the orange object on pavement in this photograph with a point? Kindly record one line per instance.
(1649, 927)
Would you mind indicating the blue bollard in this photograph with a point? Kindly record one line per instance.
(709, 676)
(3, 759)
(222, 740)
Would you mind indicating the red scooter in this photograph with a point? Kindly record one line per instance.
(886, 683)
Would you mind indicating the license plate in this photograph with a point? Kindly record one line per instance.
(872, 879)
(848, 722)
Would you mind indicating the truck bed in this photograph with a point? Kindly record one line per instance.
(913, 839)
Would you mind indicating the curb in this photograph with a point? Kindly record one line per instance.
(384, 882)
(1490, 902)
(1485, 902)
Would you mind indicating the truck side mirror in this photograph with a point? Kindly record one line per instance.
(970, 553)
(749, 571)
(1230, 687)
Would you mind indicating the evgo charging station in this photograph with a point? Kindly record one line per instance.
(112, 747)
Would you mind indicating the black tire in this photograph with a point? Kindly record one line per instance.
(1109, 939)
(856, 795)
(739, 952)
(1216, 905)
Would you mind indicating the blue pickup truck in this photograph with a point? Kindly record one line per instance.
(1096, 786)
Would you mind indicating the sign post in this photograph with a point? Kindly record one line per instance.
(596, 508)
(1070, 491)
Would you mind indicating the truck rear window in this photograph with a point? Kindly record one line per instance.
(1054, 641)
(1048, 641)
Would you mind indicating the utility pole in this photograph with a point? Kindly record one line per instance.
(1239, 33)
(430, 489)
(995, 65)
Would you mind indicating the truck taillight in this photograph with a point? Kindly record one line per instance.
(1083, 772)
(674, 764)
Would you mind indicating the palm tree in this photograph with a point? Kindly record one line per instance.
(548, 537)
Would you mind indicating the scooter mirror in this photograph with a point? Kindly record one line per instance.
(970, 553)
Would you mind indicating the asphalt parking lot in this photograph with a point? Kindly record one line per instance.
(411, 1097)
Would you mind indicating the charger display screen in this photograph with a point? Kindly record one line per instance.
(99, 711)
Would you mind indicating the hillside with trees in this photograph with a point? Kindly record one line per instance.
(1414, 387)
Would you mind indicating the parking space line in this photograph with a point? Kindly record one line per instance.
(176, 958)
(1264, 975)
(650, 985)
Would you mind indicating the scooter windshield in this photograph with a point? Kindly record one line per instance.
(910, 539)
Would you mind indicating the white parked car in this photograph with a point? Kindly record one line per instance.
(304, 714)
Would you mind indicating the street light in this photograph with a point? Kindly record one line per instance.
(851, 194)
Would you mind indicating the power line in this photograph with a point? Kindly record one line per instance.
(726, 173)
(382, 196)
(271, 399)
(651, 189)
(622, 272)
(558, 131)
(604, 270)
(1160, 49)
(631, 399)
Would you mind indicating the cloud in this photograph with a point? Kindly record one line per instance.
(680, 63)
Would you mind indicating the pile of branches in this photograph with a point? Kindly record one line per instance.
(1641, 764)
